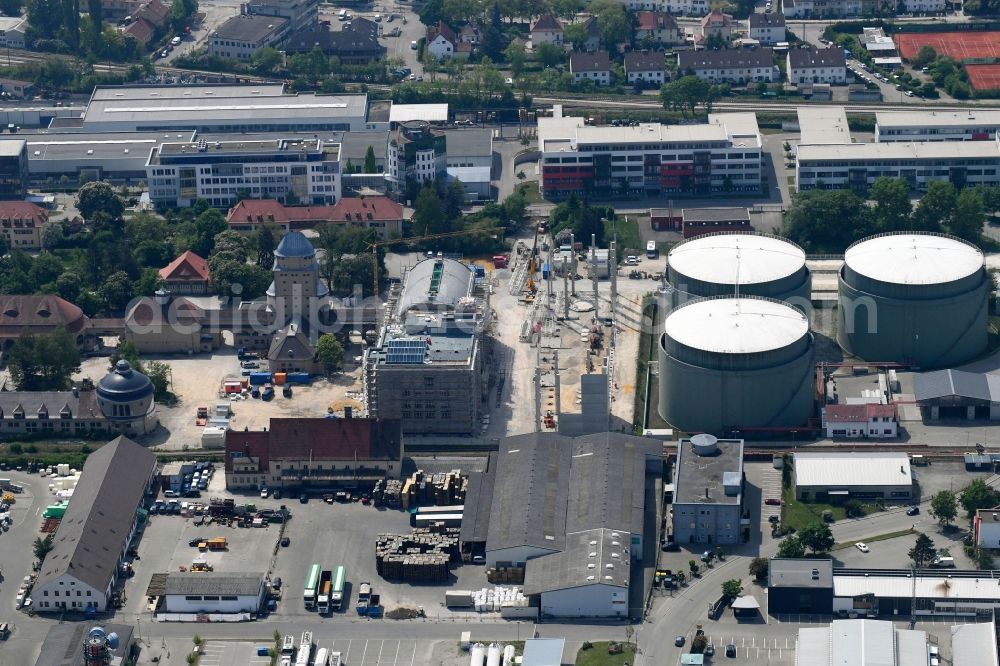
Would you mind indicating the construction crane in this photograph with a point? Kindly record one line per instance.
(418, 239)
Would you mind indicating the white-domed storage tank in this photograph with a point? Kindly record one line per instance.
(758, 264)
(730, 363)
(913, 298)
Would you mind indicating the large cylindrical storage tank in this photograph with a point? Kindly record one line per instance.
(725, 264)
(730, 363)
(913, 298)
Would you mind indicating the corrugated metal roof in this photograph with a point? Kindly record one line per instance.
(239, 584)
(543, 651)
(956, 383)
(866, 468)
(861, 643)
(929, 587)
(813, 648)
(591, 557)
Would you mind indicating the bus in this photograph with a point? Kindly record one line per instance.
(337, 593)
(312, 582)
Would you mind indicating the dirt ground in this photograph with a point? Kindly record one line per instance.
(197, 381)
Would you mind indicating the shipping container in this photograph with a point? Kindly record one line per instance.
(258, 378)
(458, 599)
(279, 378)
(297, 377)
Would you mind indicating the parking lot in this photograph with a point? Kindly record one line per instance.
(231, 654)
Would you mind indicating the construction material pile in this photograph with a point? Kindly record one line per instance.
(423, 556)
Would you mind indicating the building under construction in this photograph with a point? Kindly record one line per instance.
(427, 367)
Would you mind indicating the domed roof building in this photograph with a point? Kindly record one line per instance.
(125, 397)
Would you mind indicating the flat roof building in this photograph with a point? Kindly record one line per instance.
(700, 221)
(859, 474)
(821, 125)
(799, 586)
(708, 490)
(975, 644)
(244, 34)
(213, 592)
(967, 125)
(221, 108)
(861, 643)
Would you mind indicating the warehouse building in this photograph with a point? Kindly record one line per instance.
(857, 475)
(206, 592)
(314, 454)
(722, 155)
(572, 511)
(708, 491)
(799, 586)
(700, 221)
(737, 365)
(220, 108)
(975, 643)
(427, 367)
(861, 643)
(919, 299)
(957, 394)
(98, 528)
(986, 528)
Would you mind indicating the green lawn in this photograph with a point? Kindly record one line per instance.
(598, 656)
(627, 233)
(799, 514)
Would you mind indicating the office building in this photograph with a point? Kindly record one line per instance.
(427, 368)
(243, 35)
(708, 491)
(417, 151)
(222, 172)
(721, 155)
(300, 14)
(13, 169)
(165, 324)
(967, 125)
(859, 475)
(986, 528)
(314, 453)
(94, 535)
(469, 159)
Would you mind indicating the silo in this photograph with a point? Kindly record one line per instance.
(913, 298)
(752, 264)
(730, 363)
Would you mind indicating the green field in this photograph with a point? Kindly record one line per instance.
(598, 656)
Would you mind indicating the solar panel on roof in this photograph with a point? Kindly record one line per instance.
(406, 350)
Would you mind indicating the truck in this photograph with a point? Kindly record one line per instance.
(458, 599)
(337, 593)
(202, 416)
(500, 261)
(303, 656)
(374, 606)
(218, 543)
(364, 594)
(325, 582)
(312, 583)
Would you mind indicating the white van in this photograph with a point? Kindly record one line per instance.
(342, 16)
(176, 41)
(651, 250)
(944, 562)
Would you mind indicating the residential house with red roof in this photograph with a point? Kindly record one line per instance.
(441, 41)
(304, 453)
(21, 224)
(187, 274)
(865, 421)
(379, 213)
(658, 28)
(717, 24)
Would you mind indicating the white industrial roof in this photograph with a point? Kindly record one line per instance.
(736, 325)
(926, 587)
(861, 643)
(823, 125)
(185, 92)
(974, 644)
(728, 258)
(432, 113)
(866, 468)
(736, 123)
(11, 147)
(898, 150)
(813, 648)
(914, 259)
(556, 134)
(896, 119)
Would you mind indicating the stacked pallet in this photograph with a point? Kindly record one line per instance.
(441, 489)
(506, 575)
(423, 556)
(388, 493)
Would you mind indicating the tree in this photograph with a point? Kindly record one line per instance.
(823, 221)
(944, 507)
(99, 196)
(576, 35)
(935, 207)
(699, 643)
(96, 12)
(685, 94)
(925, 56)
(967, 219)
(516, 57)
(977, 495)
(428, 214)
(45, 16)
(265, 60)
(614, 23)
(732, 588)
(159, 375)
(759, 568)
(892, 204)
(53, 233)
(567, 8)
(329, 352)
(43, 362)
(207, 226)
(693, 566)
(263, 239)
(371, 164)
(42, 546)
(117, 291)
(11, 7)
(549, 55)
(791, 546)
(922, 552)
(817, 537)
(854, 509)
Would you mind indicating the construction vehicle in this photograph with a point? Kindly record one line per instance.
(201, 566)
(202, 417)
(217, 543)
(364, 594)
(325, 584)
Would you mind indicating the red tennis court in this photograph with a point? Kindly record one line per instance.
(957, 45)
(984, 77)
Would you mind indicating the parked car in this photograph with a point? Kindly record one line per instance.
(276, 582)
(710, 649)
(413, 45)
(303, 498)
(913, 510)
(171, 493)
(285, 541)
(731, 651)
(263, 493)
(679, 641)
(772, 501)
(862, 546)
